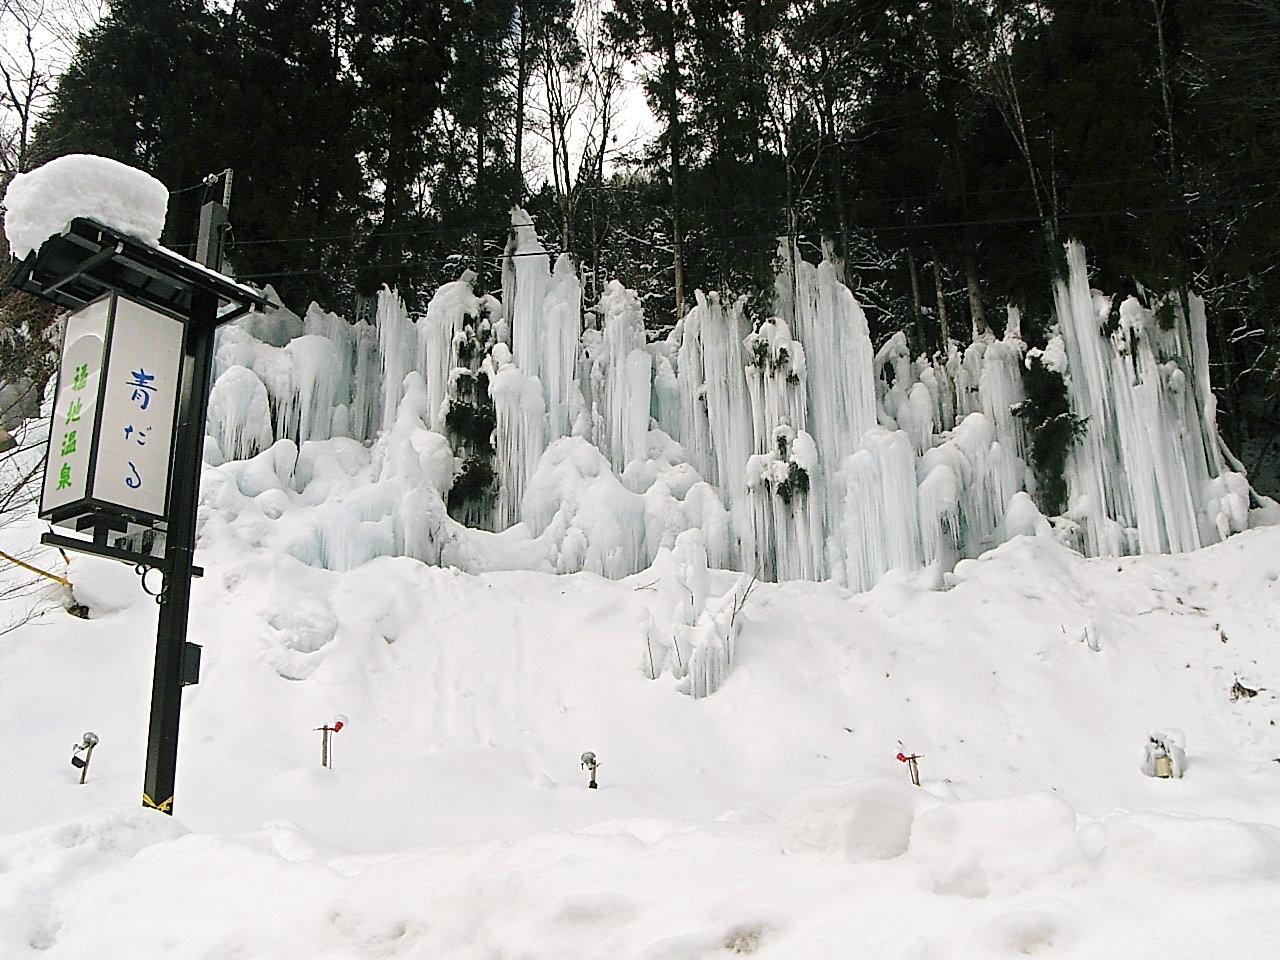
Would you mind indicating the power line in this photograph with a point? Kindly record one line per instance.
(420, 262)
(693, 238)
(356, 237)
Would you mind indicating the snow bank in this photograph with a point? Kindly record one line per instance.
(41, 203)
(862, 820)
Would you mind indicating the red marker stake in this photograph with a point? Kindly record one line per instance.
(325, 732)
(912, 766)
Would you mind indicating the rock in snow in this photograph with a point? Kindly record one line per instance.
(40, 204)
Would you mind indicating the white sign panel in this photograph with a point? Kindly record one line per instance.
(66, 467)
(135, 443)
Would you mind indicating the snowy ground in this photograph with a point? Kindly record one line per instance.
(771, 818)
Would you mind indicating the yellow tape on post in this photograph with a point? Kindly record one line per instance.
(164, 807)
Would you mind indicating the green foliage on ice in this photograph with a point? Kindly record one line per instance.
(1054, 430)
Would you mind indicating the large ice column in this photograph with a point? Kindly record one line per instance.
(722, 332)
(359, 394)
(936, 377)
(776, 382)
(876, 528)
(785, 538)
(448, 312)
(1149, 412)
(315, 377)
(623, 374)
(240, 414)
(519, 413)
(829, 322)
(1148, 474)
(667, 402)
(528, 279)
(1099, 493)
(1193, 328)
(966, 484)
(397, 346)
(303, 380)
(967, 376)
(906, 403)
(695, 429)
(1000, 391)
(562, 325)
(546, 319)
(577, 506)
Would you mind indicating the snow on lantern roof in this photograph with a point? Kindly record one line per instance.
(39, 204)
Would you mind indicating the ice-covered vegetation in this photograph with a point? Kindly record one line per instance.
(499, 433)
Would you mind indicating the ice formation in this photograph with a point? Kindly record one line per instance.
(41, 203)
(568, 442)
(696, 642)
(518, 404)
(1149, 474)
(620, 379)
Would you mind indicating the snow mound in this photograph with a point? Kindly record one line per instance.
(41, 203)
(867, 819)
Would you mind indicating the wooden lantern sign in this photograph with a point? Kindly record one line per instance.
(111, 441)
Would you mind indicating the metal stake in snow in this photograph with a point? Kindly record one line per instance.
(912, 766)
(589, 762)
(82, 753)
(326, 756)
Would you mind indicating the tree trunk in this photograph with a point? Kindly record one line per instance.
(836, 174)
(482, 130)
(917, 310)
(943, 328)
(976, 313)
(522, 80)
(674, 141)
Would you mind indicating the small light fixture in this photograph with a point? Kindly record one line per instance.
(82, 753)
(1163, 757)
(590, 763)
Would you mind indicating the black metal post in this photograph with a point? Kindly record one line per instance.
(180, 540)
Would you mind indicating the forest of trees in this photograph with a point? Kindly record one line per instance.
(942, 149)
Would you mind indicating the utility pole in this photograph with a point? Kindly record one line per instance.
(177, 661)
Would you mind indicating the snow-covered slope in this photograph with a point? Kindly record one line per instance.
(770, 817)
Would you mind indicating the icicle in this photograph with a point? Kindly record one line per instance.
(699, 645)
(1000, 390)
(775, 382)
(728, 416)
(877, 529)
(830, 324)
(546, 319)
(396, 346)
(358, 392)
(517, 404)
(448, 312)
(561, 326)
(970, 479)
(1143, 476)
(240, 414)
(623, 369)
(785, 538)
(695, 432)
